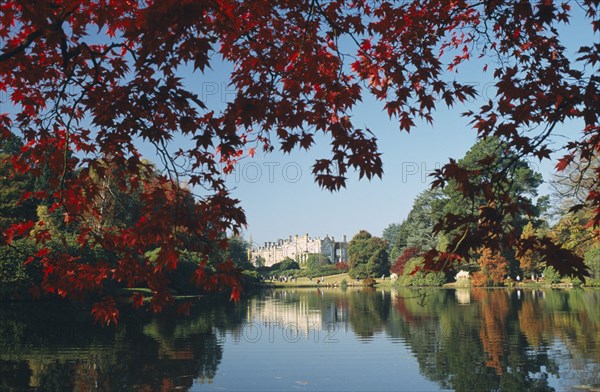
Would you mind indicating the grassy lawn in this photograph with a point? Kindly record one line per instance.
(330, 280)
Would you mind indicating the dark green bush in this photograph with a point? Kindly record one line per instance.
(15, 276)
(250, 278)
(286, 264)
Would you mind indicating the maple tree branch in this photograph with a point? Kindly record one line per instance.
(336, 26)
(7, 54)
(308, 20)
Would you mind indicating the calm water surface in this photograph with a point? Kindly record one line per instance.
(330, 340)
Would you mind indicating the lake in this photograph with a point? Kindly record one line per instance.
(315, 339)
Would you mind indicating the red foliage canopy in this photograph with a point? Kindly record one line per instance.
(90, 79)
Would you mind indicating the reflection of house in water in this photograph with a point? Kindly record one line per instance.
(299, 248)
(341, 311)
(463, 296)
(297, 315)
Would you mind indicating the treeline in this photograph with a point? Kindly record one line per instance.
(551, 217)
(118, 206)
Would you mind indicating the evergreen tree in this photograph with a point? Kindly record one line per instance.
(368, 256)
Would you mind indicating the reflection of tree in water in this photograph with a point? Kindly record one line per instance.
(498, 341)
(576, 320)
(572, 319)
(444, 338)
(145, 353)
(368, 311)
(478, 345)
(494, 311)
(532, 322)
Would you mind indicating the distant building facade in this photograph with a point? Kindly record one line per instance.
(298, 248)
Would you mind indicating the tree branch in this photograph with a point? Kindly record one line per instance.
(24, 45)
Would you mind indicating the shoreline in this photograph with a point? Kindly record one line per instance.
(335, 281)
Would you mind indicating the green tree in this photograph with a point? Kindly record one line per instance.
(551, 275)
(118, 201)
(570, 207)
(259, 262)
(592, 260)
(483, 219)
(286, 264)
(485, 161)
(238, 252)
(390, 233)
(368, 256)
(314, 263)
(15, 274)
(530, 261)
(416, 231)
(12, 186)
(572, 231)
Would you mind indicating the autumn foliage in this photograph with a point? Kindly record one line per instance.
(400, 263)
(493, 268)
(89, 82)
(342, 266)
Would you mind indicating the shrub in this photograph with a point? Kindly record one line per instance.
(369, 282)
(322, 270)
(342, 266)
(420, 277)
(344, 283)
(182, 278)
(286, 265)
(551, 276)
(592, 282)
(576, 282)
(250, 278)
(409, 253)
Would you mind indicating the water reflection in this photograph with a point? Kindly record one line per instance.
(491, 339)
(50, 353)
